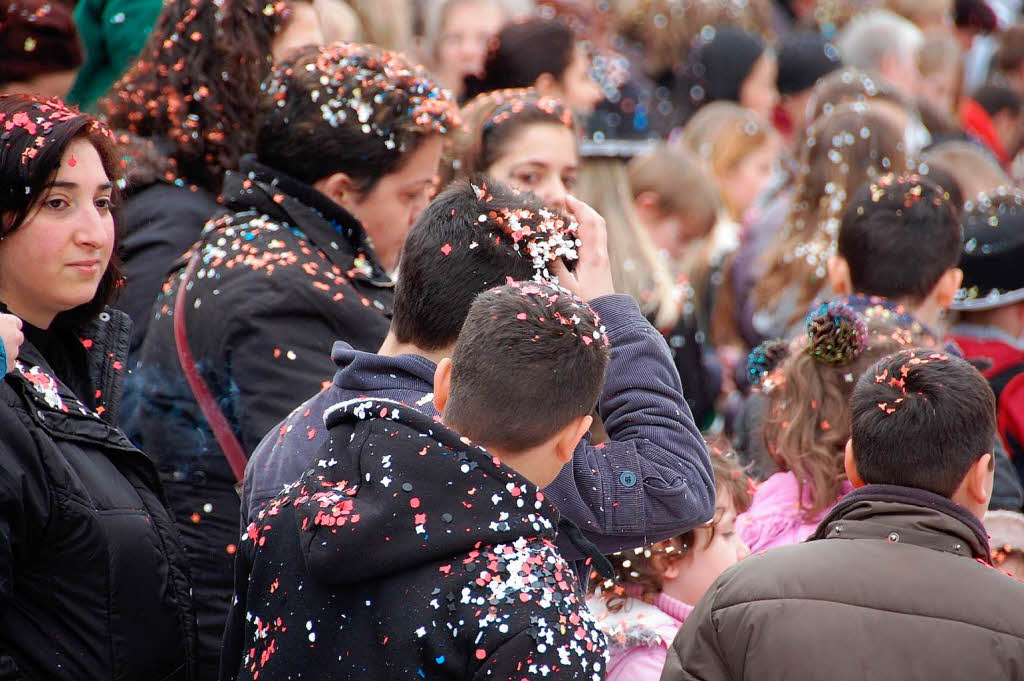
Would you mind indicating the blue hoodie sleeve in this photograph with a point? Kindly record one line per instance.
(652, 479)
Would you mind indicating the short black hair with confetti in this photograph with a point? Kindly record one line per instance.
(921, 418)
(530, 359)
(899, 235)
(471, 238)
(348, 108)
(34, 134)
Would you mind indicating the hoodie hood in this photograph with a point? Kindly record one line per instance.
(398, 485)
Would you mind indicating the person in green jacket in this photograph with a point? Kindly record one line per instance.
(113, 32)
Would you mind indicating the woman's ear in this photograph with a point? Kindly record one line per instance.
(839, 276)
(547, 84)
(850, 464)
(442, 384)
(338, 187)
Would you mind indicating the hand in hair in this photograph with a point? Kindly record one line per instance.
(594, 271)
(11, 339)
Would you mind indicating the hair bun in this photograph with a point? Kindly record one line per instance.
(764, 358)
(836, 334)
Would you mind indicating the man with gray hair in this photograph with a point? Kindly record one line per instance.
(885, 43)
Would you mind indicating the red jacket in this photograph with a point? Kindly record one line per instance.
(978, 123)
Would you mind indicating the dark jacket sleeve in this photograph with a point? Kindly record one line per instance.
(1007, 494)
(24, 504)
(234, 631)
(652, 479)
(696, 654)
(524, 651)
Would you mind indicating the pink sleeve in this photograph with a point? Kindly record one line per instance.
(642, 663)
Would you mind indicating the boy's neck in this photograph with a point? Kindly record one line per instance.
(392, 347)
(533, 464)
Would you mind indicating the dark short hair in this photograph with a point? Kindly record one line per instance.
(521, 53)
(348, 108)
(457, 249)
(899, 235)
(997, 98)
(921, 418)
(530, 359)
(32, 146)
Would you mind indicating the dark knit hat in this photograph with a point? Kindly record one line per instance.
(37, 37)
(993, 252)
(803, 59)
(721, 59)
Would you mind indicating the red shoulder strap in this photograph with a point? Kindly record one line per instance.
(222, 430)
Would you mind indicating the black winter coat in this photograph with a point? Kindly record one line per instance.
(407, 552)
(281, 279)
(93, 577)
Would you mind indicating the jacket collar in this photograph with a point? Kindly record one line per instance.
(909, 516)
(256, 187)
(365, 373)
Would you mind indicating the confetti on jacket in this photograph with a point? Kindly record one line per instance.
(405, 551)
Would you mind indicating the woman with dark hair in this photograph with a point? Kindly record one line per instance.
(542, 54)
(189, 105)
(348, 149)
(93, 579)
(728, 63)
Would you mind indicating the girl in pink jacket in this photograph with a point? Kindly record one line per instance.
(807, 424)
(643, 607)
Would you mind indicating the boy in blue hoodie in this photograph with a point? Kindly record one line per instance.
(408, 550)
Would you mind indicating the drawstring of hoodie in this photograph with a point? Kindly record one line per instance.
(587, 548)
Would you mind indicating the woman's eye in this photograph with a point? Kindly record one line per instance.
(57, 203)
(528, 178)
(103, 204)
(569, 182)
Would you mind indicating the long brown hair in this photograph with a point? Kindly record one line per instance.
(196, 86)
(843, 150)
(808, 422)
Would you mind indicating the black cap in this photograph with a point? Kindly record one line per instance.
(993, 252)
(804, 58)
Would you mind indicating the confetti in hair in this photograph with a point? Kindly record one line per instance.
(543, 235)
(519, 101)
(764, 358)
(836, 334)
(380, 92)
(550, 295)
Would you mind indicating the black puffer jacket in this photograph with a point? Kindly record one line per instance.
(281, 280)
(407, 552)
(93, 578)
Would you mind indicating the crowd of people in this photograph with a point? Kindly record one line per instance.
(511, 339)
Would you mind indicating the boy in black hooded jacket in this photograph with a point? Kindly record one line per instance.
(407, 550)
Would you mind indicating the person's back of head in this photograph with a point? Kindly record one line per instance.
(472, 237)
(348, 108)
(973, 167)
(40, 50)
(848, 85)
(881, 41)
(900, 239)
(527, 370)
(926, 420)
(991, 260)
(996, 99)
(523, 52)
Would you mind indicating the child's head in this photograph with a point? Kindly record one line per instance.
(740, 149)
(525, 375)
(685, 566)
(471, 238)
(674, 197)
(973, 168)
(808, 423)
(927, 420)
(519, 137)
(900, 238)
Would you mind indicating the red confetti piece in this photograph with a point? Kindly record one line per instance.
(446, 249)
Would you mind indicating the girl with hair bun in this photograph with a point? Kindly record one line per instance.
(807, 421)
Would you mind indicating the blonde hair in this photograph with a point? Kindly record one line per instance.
(680, 182)
(637, 269)
(666, 28)
(843, 150)
(339, 21)
(922, 13)
(973, 168)
(386, 23)
(722, 134)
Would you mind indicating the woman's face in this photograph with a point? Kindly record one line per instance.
(462, 45)
(543, 158)
(758, 91)
(302, 29)
(747, 180)
(55, 260)
(576, 88)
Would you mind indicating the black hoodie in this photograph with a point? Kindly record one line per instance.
(406, 552)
